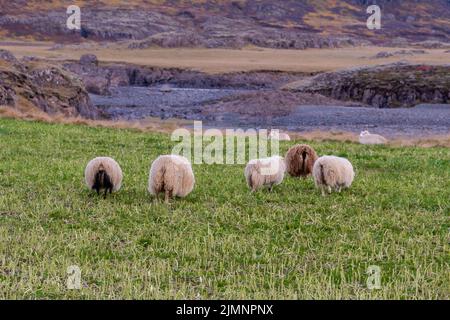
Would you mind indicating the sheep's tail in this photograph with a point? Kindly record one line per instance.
(322, 175)
(304, 155)
(159, 180)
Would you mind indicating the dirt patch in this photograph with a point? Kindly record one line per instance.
(267, 103)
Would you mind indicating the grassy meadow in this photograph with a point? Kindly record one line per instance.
(221, 241)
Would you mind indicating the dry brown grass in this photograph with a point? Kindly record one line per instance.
(146, 125)
(169, 125)
(425, 142)
(227, 60)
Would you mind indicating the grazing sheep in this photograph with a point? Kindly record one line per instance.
(265, 172)
(281, 136)
(300, 160)
(368, 138)
(103, 173)
(333, 173)
(171, 175)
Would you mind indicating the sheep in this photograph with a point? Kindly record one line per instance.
(300, 160)
(103, 173)
(333, 172)
(171, 175)
(368, 138)
(281, 136)
(265, 172)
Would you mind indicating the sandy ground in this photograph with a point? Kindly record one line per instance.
(227, 60)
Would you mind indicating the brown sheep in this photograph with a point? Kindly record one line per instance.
(300, 160)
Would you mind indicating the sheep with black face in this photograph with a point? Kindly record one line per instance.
(103, 173)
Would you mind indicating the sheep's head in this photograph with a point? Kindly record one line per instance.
(364, 133)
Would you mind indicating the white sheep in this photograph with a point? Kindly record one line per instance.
(265, 172)
(171, 175)
(333, 172)
(368, 138)
(280, 136)
(103, 173)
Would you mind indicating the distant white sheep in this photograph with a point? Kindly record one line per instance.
(265, 172)
(103, 173)
(171, 175)
(330, 172)
(368, 138)
(281, 136)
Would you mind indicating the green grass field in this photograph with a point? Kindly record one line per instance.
(221, 241)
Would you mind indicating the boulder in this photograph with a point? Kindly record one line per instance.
(89, 59)
(43, 85)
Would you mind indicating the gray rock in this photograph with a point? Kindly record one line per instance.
(388, 86)
(8, 57)
(89, 59)
(383, 54)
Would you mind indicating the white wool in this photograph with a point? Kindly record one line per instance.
(331, 172)
(281, 136)
(265, 172)
(172, 175)
(111, 167)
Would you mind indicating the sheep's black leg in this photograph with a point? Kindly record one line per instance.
(98, 190)
(106, 192)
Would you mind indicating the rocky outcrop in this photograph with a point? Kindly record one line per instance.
(37, 84)
(266, 38)
(100, 78)
(388, 86)
(385, 54)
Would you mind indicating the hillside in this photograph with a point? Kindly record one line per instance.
(224, 23)
(221, 242)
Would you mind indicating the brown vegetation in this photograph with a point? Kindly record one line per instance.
(229, 60)
(169, 125)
